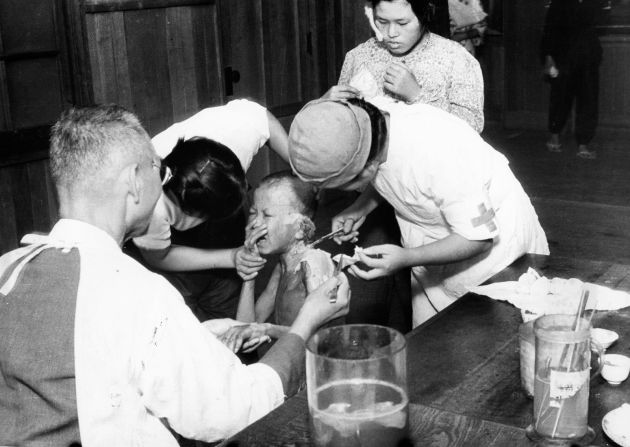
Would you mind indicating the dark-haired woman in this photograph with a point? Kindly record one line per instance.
(200, 219)
(406, 62)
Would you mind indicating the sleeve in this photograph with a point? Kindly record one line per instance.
(244, 129)
(347, 69)
(197, 384)
(165, 141)
(158, 234)
(466, 91)
(255, 115)
(460, 191)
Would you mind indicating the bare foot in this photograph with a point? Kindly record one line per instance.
(553, 144)
(583, 152)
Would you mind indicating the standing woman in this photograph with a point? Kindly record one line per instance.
(406, 62)
(198, 223)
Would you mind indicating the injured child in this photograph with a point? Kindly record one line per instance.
(280, 223)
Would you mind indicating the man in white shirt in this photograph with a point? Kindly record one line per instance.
(97, 350)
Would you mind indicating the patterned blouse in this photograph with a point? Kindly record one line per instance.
(449, 76)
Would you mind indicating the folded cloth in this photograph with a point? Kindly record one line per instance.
(537, 295)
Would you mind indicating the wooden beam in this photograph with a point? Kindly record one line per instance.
(10, 57)
(5, 109)
(96, 6)
(77, 52)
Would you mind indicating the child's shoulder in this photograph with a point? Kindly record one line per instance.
(317, 265)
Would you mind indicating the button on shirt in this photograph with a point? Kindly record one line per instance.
(142, 360)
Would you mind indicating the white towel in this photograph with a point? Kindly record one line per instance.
(537, 295)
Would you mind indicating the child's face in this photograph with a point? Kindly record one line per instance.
(274, 207)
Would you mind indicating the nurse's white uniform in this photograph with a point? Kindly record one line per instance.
(441, 178)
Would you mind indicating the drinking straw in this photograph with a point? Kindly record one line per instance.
(547, 366)
(576, 328)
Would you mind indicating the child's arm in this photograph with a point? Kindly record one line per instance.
(250, 310)
(267, 299)
(245, 311)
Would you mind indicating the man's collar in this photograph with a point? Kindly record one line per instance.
(73, 232)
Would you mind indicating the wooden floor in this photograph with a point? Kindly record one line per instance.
(583, 205)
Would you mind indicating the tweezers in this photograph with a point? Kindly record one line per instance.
(325, 237)
(332, 297)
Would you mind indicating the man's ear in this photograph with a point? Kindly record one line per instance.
(131, 174)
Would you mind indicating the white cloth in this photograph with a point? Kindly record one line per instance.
(442, 178)
(466, 12)
(537, 295)
(143, 361)
(241, 125)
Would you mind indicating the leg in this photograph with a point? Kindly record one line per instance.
(560, 101)
(587, 111)
(208, 293)
(386, 301)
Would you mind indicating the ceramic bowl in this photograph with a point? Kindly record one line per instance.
(616, 368)
(603, 337)
(615, 425)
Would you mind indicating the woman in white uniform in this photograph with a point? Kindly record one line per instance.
(463, 215)
(198, 223)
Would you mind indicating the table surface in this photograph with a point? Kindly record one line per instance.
(464, 372)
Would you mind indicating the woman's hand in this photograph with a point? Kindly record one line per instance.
(383, 260)
(400, 81)
(342, 92)
(350, 220)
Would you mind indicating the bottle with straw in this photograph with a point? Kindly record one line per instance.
(561, 387)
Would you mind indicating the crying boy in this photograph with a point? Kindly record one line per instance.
(280, 223)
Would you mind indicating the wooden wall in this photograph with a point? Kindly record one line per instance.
(161, 62)
(27, 201)
(35, 86)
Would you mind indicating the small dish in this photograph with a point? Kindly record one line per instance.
(603, 337)
(616, 368)
(615, 425)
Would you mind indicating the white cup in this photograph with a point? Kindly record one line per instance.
(616, 368)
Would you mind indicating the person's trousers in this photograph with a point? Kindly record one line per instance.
(582, 86)
(210, 293)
